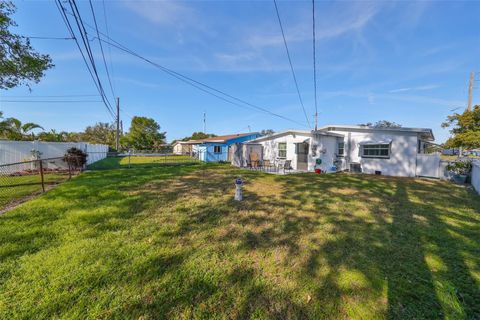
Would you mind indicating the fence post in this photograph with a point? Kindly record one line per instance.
(69, 168)
(41, 175)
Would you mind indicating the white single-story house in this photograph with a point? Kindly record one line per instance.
(385, 151)
(183, 147)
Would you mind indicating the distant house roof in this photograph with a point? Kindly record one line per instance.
(217, 139)
(225, 138)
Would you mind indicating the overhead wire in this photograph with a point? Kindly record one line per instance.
(50, 38)
(52, 101)
(192, 82)
(197, 84)
(109, 48)
(84, 36)
(101, 48)
(53, 96)
(291, 64)
(65, 19)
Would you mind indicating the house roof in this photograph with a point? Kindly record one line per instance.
(425, 133)
(222, 139)
(281, 133)
(218, 139)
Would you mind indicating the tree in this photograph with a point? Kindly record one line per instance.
(199, 135)
(5, 126)
(101, 133)
(21, 131)
(19, 63)
(14, 129)
(144, 134)
(465, 129)
(382, 124)
(54, 136)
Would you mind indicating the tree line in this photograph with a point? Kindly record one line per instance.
(144, 133)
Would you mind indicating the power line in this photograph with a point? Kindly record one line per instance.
(314, 65)
(290, 62)
(197, 84)
(50, 38)
(52, 101)
(84, 36)
(63, 14)
(101, 48)
(95, 79)
(108, 34)
(55, 96)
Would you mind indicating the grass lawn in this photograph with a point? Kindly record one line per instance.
(15, 188)
(140, 161)
(169, 242)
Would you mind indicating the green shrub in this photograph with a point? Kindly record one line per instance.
(460, 167)
(75, 157)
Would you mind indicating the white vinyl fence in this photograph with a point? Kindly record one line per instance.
(432, 166)
(476, 175)
(428, 165)
(19, 151)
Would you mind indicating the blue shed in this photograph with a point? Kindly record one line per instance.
(216, 148)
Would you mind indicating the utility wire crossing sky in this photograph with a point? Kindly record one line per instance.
(248, 64)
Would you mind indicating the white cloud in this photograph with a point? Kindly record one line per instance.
(162, 12)
(419, 88)
(337, 20)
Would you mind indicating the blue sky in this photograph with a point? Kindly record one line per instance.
(406, 62)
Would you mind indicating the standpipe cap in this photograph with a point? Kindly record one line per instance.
(238, 181)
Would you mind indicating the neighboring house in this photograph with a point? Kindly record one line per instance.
(386, 151)
(218, 148)
(184, 147)
(473, 152)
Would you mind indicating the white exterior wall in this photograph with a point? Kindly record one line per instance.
(476, 175)
(403, 152)
(270, 148)
(326, 149)
(177, 148)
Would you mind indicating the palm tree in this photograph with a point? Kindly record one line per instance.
(5, 127)
(14, 129)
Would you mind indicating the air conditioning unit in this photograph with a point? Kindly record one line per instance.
(355, 167)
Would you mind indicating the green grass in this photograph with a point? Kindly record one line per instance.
(169, 242)
(15, 188)
(141, 162)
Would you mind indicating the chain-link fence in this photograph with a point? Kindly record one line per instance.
(22, 180)
(142, 159)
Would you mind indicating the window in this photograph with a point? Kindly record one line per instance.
(341, 149)
(217, 149)
(376, 151)
(282, 149)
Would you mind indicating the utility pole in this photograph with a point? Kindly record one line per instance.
(249, 130)
(316, 121)
(205, 122)
(117, 136)
(470, 91)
